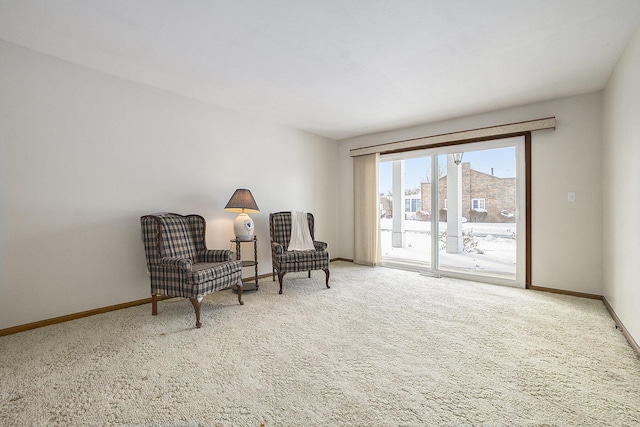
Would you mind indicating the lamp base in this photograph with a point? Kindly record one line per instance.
(243, 227)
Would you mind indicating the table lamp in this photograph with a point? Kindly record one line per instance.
(242, 202)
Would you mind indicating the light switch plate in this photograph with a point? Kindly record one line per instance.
(571, 196)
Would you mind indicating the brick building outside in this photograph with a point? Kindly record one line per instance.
(481, 193)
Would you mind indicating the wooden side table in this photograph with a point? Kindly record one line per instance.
(248, 262)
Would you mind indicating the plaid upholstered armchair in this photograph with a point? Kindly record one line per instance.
(285, 261)
(179, 263)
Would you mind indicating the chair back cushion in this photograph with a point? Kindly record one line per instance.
(172, 235)
(280, 227)
(177, 238)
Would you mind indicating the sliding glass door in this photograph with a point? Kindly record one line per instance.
(456, 211)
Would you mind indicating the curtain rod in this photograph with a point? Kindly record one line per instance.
(473, 135)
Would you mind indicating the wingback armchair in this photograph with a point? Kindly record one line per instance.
(285, 261)
(179, 263)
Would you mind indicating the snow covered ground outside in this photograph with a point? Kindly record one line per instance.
(496, 241)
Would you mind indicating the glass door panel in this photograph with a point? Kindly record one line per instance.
(477, 227)
(405, 219)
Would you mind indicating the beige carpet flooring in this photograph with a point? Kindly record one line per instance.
(382, 347)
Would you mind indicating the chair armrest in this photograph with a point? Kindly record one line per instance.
(276, 248)
(181, 263)
(216, 255)
(320, 246)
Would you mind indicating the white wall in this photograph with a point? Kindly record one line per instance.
(566, 237)
(84, 155)
(621, 179)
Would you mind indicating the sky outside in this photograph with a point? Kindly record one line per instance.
(502, 160)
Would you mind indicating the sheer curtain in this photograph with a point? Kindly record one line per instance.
(366, 214)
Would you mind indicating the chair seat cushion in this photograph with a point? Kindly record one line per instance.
(303, 260)
(298, 256)
(207, 271)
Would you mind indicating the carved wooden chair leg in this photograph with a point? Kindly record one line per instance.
(240, 293)
(196, 302)
(280, 276)
(274, 273)
(326, 272)
(309, 274)
(154, 305)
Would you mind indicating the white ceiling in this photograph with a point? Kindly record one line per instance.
(338, 68)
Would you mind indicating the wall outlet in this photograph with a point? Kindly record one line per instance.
(571, 196)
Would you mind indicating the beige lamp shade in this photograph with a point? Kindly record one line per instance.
(242, 201)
